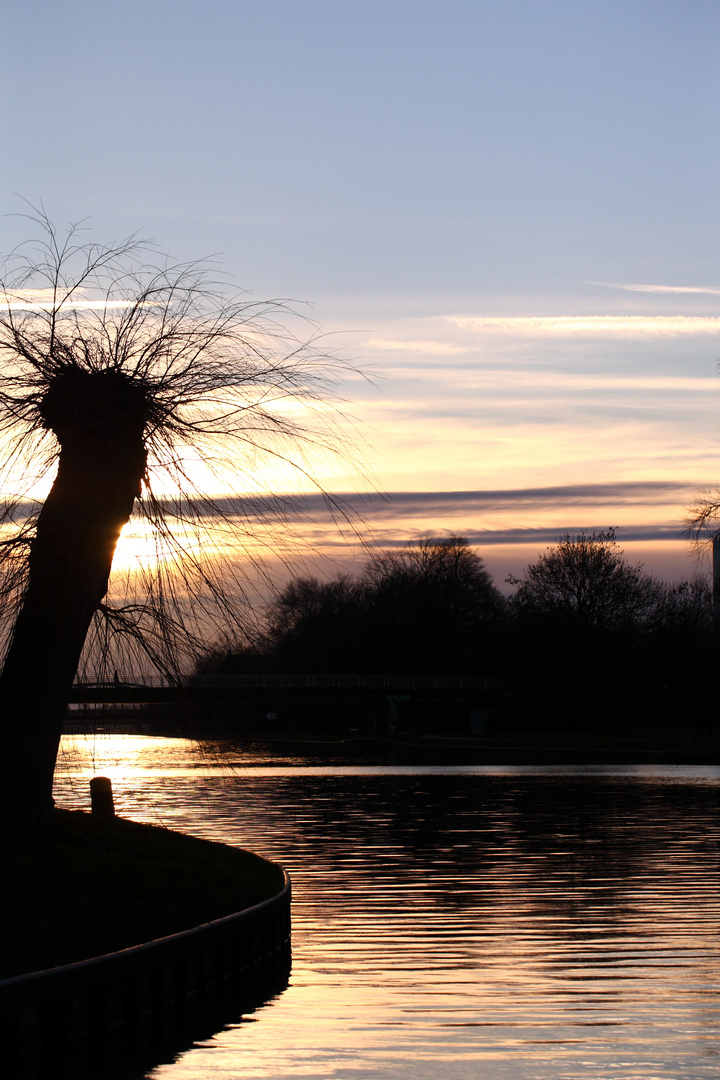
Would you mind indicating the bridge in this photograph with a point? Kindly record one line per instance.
(154, 689)
(383, 699)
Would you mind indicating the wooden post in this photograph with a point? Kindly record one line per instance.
(101, 797)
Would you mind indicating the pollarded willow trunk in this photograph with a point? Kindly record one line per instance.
(99, 420)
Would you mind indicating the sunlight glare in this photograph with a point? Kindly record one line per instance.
(139, 547)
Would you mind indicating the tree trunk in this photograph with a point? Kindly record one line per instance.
(101, 465)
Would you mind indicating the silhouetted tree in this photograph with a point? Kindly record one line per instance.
(114, 377)
(703, 529)
(423, 607)
(684, 609)
(427, 607)
(433, 603)
(584, 583)
(599, 642)
(315, 626)
(703, 518)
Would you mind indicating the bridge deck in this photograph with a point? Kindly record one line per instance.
(222, 687)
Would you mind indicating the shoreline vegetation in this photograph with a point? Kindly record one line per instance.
(588, 645)
(97, 886)
(457, 747)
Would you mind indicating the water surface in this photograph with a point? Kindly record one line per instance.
(457, 922)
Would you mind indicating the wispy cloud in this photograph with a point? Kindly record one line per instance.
(515, 381)
(625, 534)
(436, 348)
(47, 299)
(711, 290)
(564, 326)
(11, 303)
(501, 520)
(398, 504)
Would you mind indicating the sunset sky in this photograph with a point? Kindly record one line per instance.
(505, 213)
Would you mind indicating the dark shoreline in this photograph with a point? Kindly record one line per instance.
(125, 941)
(462, 752)
(553, 748)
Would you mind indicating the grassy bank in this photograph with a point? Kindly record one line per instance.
(98, 886)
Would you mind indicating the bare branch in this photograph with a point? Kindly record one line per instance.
(224, 382)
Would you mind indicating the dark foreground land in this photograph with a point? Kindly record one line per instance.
(98, 886)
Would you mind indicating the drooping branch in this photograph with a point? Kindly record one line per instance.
(703, 519)
(120, 374)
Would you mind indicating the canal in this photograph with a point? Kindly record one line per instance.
(503, 923)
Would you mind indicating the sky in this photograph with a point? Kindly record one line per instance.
(503, 214)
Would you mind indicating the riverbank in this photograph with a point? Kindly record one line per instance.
(101, 885)
(523, 750)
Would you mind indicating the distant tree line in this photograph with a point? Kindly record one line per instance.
(596, 640)
(428, 606)
(584, 634)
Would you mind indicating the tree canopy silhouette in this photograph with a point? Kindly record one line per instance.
(585, 583)
(601, 644)
(117, 373)
(428, 606)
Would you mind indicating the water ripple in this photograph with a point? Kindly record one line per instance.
(508, 924)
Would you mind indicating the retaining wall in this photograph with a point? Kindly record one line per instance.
(142, 1005)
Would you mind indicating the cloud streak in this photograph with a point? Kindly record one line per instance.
(510, 381)
(710, 290)
(644, 513)
(564, 326)
(435, 348)
(380, 507)
(544, 536)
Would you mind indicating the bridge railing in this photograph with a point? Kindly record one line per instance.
(379, 682)
(385, 682)
(122, 680)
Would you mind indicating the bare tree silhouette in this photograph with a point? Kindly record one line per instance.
(586, 583)
(119, 368)
(703, 518)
